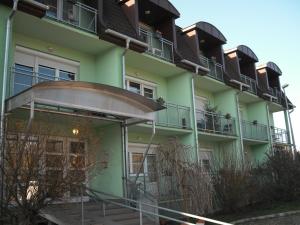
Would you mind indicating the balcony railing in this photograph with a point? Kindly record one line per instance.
(215, 69)
(22, 79)
(276, 93)
(174, 116)
(75, 14)
(279, 135)
(158, 46)
(254, 131)
(215, 123)
(249, 81)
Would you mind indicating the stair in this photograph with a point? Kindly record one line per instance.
(70, 214)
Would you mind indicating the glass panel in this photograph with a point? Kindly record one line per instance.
(46, 73)
(77, 147)
(70, 12)
(137, 159)
(148, 93)
(64, 75)
(134, 87)
(53, 146)
(23, 78)
(151, 168)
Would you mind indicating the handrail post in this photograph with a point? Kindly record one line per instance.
(82, 206)
(103, 209)
(140, 211)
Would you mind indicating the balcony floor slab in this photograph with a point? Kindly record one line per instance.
(205, 136)
(254, 142)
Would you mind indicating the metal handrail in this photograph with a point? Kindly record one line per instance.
(36, 77)
(96, 196)
(258, 131)
(178, 119)
(204, 61)
(91, 26)
(219, 124)
(149, 37)
(279, 135)
(249, 81)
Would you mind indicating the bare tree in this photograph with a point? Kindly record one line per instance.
(37, 170)
(182, 182)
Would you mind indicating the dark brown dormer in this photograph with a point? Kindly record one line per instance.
(268, 79)
(244, 59)
(208, 42)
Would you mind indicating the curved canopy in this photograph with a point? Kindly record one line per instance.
(212, 30)
(274, 67)
(247, 51)
(165, 4)
(87, 96)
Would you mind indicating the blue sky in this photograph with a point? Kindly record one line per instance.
(271, 28)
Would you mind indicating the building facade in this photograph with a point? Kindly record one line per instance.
(109, 61)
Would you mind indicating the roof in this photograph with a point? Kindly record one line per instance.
(245, 50)
(115, 19)
(165, 4)
(272, 66)
(212, 30)
(92, 97)
(184, 49)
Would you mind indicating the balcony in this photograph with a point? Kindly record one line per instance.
(277, 94)
(279, 135)
(254, 131)
(249, 81)
(158, 46)
(174, 116)
(72, 13)
(23, 77)
(215, 69)
(215, 123)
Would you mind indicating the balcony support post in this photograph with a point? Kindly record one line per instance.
(240, 124)
(269, 128)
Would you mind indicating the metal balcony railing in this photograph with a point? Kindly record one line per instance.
(215, 69)
(175, 116)
(254, 131)
(279, 135)
(249, 81)
(276, 93)
(22, 79)
(158, 46)
(73, 13)
(215, 123)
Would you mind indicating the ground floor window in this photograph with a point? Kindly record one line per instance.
(135, 157)
(205, 155)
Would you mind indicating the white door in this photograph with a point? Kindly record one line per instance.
(200, 105)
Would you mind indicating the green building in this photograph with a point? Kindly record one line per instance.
(107, 62)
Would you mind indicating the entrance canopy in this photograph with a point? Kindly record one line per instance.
(97, 98)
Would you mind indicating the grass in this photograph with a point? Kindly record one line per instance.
(259, 210)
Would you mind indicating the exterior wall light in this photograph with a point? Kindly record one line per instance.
(75, 131)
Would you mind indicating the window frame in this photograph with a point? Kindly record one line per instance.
(143, 84)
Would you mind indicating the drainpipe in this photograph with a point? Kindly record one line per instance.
(292, 132)
(197, 67)
(269, 128)
(4, 84)
(237, 94)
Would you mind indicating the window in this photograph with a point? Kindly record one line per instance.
(32, 67)
(23, 77)
(139, 87)
(136, 155)
(205, 159)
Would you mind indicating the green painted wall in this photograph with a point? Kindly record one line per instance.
(160, 82)
(87, 70)
(109, 67)
(257, 111)
(206, 94)
(109, 179)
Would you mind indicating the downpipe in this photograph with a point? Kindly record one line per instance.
(269, 130)
(4, 84)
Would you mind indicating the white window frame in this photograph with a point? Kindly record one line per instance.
(208, 152)
(32, 58)
(143, 84)
(139, 148)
